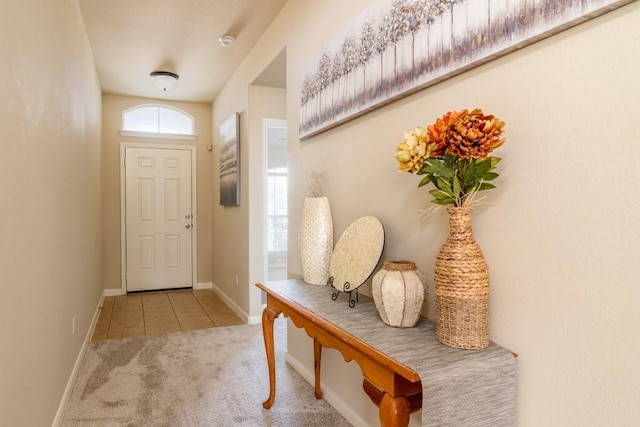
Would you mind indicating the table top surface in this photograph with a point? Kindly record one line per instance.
(417, 347)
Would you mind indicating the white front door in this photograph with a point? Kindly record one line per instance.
(158, 218)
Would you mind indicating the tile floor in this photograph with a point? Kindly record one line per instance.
(161, 312)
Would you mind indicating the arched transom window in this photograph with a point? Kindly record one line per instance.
(157, 119)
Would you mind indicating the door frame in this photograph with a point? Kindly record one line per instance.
(123, 228)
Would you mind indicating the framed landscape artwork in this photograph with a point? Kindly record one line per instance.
(230, 161)
(396, 47)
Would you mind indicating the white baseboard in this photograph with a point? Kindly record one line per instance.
(205, 285)
(254, 320)
(113, 292)
(235, 307)
(328, 394)
(57, 421)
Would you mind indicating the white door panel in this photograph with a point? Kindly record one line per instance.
(158, 218)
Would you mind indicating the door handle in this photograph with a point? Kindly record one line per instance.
(187, 216)
(187, 226)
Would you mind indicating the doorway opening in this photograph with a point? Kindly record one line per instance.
(275, 139)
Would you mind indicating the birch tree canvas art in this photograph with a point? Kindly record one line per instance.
(397, 47)
(230, 161)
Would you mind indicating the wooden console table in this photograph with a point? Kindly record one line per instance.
(404, 370)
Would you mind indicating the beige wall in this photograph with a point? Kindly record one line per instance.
(264, 103)
(239, 230)
(50, 197)
(560, 232)
(112, 108)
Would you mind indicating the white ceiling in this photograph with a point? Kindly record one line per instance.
(132, 38)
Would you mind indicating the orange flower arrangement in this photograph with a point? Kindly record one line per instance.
(453, 154)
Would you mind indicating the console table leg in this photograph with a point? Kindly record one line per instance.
(394, 411)
(268, 316)
(317, 357)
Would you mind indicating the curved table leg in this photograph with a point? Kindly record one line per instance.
(394, 411)
(317, 356)
(268, 316)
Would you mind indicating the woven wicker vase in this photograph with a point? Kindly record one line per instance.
(316, 240)
(462, 286)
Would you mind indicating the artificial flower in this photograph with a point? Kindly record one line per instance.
(453, 154)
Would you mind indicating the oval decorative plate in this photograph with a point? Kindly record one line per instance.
(356, 254)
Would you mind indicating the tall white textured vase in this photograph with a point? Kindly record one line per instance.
(316, 240)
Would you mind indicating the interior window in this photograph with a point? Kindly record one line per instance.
(157, 119)
(277, 210)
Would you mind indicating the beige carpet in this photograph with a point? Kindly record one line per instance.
(210, 377)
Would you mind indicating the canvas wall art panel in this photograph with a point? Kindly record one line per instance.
(230, 161)
(396, 47)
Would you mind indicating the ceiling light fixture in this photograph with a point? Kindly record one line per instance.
(226, 41)
(165, 80)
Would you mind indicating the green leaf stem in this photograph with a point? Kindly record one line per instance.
(455, 179)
